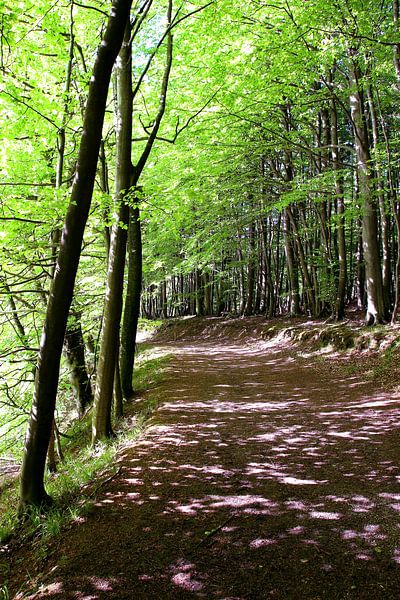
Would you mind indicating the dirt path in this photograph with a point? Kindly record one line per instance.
(263, 477)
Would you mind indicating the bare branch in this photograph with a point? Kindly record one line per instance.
(102, 12)
(178, 130)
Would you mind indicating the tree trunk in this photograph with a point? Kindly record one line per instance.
(293, 277)
(360, 276)
(248, 310)
(309, 286)
(199, 293)
(342, 276)
(385, 224)
(108, 356)
(292, 267)
(375, 304)
(46, 380)
(132, 302)
(118, 398)
(207, 294)
(75, 355)
(163, 300)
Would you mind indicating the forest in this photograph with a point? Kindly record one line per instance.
(164, 159)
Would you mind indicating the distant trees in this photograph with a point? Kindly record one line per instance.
(317, 159)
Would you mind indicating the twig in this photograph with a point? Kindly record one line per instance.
(94, 492)
(210, 534)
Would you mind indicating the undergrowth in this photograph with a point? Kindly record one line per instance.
(84, 469)
(387, 369)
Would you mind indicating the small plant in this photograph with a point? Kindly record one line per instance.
(4, 593)
(387, 370)
(351, 369)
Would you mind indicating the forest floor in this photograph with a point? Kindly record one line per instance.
(267, 471)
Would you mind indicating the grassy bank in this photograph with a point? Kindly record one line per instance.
(84, 468)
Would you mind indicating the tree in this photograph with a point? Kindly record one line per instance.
(46, 380)
(116, 258)
(375, 302)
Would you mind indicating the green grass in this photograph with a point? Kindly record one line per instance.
(72, 487)
(149, 325)
(351, 369)
(149, 370)
(4, 595)
(387, 370)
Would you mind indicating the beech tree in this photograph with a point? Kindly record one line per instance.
(322, 180)
(259, 176)
(46, 380)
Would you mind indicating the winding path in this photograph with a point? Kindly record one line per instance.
(264, 475)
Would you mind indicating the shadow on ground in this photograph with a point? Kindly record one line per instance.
(262, 477)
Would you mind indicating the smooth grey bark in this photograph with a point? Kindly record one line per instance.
(375, 302)
(360, 269)
(134, 285)
(109, 345)
(118, 398)
(132, 302)
(339, 310)
(384, 219)
(46, 381)
(105, 188)
(292, 267)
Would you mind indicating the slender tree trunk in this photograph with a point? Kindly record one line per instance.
(51, 452)
(385, 223)
(393, 199)
(134, 286)
(292, 268)
(118, 398)
(132, 302)
(164, 301)
(342, 278)
(74, 347)
(207, 294)
(375, 304)
(292, 271)
(46, 380)
(75, 354)
(199, 293)
(105, 188)
(108, 356)
(249, 304)
(360, 276)
(309, 285)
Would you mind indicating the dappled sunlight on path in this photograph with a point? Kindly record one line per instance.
(261, 476)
